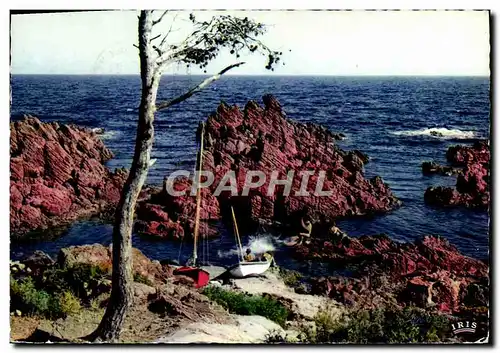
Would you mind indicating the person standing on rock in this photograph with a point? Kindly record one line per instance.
(336, 235)
(307, 229)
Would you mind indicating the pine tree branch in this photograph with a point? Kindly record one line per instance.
(169, 30)
(161, 17)
(197, 88)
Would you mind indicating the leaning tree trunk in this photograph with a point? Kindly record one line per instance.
(121, 292)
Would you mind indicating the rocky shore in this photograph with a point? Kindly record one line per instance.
(168, 309)
(57, 175)
(429, 273)
(473, 180)
(263, 139)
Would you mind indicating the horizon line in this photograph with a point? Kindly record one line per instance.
(262, 75)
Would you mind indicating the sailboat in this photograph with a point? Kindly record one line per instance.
(242, 269)
(199, 275)
(247, 268)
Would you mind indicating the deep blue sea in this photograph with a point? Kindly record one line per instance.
(389, 118)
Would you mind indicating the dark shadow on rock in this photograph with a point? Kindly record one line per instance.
(41, 336)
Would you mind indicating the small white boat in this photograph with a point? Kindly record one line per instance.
(247, 268)
(244, 269)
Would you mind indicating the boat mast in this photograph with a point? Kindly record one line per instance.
(237, 233)
(198, 197)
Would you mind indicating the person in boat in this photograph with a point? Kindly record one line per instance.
(336, 235)
(266, 256)
(269, 258)
(305, 235)
(249, 257)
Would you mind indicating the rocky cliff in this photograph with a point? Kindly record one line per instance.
(263, 139)
(57, 174)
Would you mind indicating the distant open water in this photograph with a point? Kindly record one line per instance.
(389, 118)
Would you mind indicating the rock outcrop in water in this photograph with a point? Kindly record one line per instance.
(429, 168)
(472, 188)
(430, 273)
(171, 217)
(263, 139)
(57, 174)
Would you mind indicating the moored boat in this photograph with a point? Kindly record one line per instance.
(245, 269)
(200, 276)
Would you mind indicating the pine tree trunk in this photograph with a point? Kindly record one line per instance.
(121, 292)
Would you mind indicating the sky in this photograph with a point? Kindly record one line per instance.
(443, 43)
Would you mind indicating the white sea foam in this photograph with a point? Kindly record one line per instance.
(98, 130)
(259, 244)
(440, 133)
(106, 134)
(130, 109)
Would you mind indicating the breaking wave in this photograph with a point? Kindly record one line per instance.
(259, 244)
(440, 132)
(106, 135)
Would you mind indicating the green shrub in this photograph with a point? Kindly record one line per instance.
(290, 278)
(327, 324)
(408, 325)
(68, 303)
(29, 300)
(57, 291)
(53, 301)
(26, 298)
(54, 280)
(82, 279)
(275, 337)
(86, 272)
(142, 279)
(245, 304)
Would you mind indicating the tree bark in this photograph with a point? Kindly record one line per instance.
(121, 292)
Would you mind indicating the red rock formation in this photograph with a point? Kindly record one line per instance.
(461, 156)
(57, 175)
(263, 139)
(429, 272)
(171, 217)
(472, 189)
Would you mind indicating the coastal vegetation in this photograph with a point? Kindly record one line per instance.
(290, 277)
(379, 325)
(245, 304)
(56, 291)
(382, 325)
